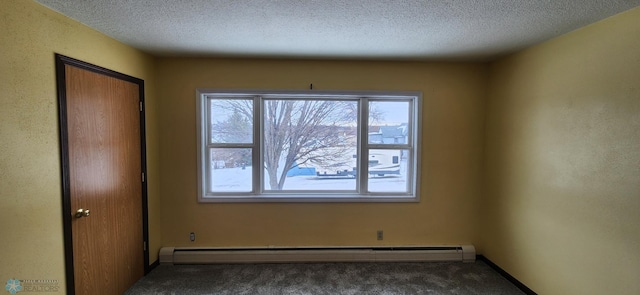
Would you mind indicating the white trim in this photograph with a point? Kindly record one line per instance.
(259, 193)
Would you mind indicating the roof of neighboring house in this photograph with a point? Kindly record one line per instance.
(390, 131)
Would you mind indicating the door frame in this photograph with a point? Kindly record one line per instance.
(60, 62)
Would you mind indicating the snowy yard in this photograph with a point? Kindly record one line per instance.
(239, 180)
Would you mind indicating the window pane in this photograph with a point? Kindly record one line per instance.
(388, 122)
(230, 170)
(231, 121)
(310, 144)
(388, 170)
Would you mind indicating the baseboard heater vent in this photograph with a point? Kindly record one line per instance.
(174, 255)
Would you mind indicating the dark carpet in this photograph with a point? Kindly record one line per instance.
(326, 278)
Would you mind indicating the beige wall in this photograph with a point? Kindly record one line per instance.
(452, 150)
(561, 203)
(31, 238)
(562, 206)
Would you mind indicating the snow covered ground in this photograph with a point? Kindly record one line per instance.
(239, 180)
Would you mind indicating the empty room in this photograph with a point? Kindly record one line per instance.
(320, 147)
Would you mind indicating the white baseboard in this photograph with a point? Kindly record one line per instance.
(173, 255)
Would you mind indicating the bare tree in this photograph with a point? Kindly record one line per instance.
(301, 131)
(321, 132)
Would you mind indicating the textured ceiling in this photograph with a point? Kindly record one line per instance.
(354, 29)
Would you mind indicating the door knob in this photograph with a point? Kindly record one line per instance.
(82, 213)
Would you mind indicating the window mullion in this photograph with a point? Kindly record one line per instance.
(363, 147)
(206, 136)
(258, 142)
(411, 124)
(389, 146)
(207, 125)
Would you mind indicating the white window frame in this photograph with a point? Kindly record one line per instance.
(260, 194)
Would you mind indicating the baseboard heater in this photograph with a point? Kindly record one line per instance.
(186, 255)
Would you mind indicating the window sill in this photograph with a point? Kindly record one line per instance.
(292, 198)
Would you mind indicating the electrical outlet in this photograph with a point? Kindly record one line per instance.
(380, 235)
(192, 236)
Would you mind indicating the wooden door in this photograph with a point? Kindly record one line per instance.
(103, 178)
